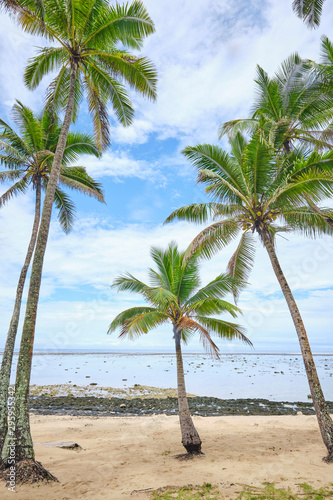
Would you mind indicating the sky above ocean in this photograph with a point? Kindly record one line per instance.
(206, 54)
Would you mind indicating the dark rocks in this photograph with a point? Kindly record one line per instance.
(205, 406)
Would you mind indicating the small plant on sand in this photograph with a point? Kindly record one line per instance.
(269, 492)
(204, 492)
(173, 296)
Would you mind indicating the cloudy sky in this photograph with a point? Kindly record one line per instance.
(206, 53)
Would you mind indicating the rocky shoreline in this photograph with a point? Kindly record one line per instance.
(204, 406)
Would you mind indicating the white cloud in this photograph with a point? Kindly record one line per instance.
(118, 164)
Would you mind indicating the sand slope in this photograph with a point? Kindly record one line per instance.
(124, 454)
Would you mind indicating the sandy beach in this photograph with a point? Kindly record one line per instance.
(129, 457)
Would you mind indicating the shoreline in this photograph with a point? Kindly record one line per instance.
(145, 400)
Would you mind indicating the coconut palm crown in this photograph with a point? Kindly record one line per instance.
(291, 108)
(28, 156)
(258, 191)
(92, 35)
(174, 296)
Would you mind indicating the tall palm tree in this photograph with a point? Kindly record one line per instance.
(89, 61)
(28, 156)
(173, 296)
(309, 10)
(258, 191)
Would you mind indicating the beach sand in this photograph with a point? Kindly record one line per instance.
(122, 455)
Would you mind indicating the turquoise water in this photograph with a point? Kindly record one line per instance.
(274, 377)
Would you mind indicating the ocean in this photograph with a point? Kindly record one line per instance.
(276, 377)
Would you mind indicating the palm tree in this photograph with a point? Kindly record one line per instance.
(28, 157)
(291, 108)
(173, 296)
(252, 188)
(309, 10)
(89, 61)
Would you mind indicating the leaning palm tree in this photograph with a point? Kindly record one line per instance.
(309, 10)
(173, 296)
(28, 157)
(256, 190)
(91, 59)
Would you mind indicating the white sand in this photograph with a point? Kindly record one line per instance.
(124, 454)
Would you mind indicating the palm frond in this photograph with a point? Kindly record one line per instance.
(48, 59)
(241, 263)
(142, 323)
(233, 127)
(128, 283)
(191, 325)
(197, 212)
(215, 237)
(66, 210)
(224, 329)
(78, 179)
(19, 187)
(129, 315)
(309, 10)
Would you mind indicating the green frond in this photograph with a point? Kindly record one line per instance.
(190, 325)
(47, 60)
(78, 179)
(129, 315)
(66, 210)
(209, 306)
(326, 51)
(119, 22)
(57, 93)
(228, 174)
(268, 98)
(197, 212)
(30, 127)
(138, 72)
(309, 223)
(260, 166)
(97, 108)
(142, 323)
(77, 144)
(215, 237)
(216, 289)
(224, 329)
(309, 10)
(160, 296)
(11, 175)
(128, 283)
(232, 127)
(19, 187)
(241, 263)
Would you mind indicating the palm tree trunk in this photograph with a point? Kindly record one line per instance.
(24, 446)
(7, 358)
(324, 420)
(190, 437)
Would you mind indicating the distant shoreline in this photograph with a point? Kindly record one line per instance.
(130, 353)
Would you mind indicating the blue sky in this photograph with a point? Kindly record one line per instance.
(206, 54)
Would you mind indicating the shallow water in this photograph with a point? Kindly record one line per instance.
(273, 377)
